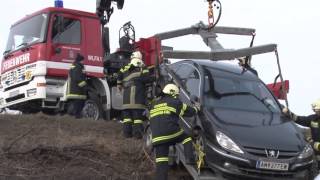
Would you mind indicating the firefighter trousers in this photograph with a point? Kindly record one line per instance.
(162, 152)
(78, 105)
(133, 123)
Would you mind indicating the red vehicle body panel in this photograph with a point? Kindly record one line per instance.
(58, 64)
(277, 90)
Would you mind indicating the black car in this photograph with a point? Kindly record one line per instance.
(241, 128)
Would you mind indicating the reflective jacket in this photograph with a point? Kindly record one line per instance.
(133, 81)
(312, 121)
(77, 82)
(165, 114)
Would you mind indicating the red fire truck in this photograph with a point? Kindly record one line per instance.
(39, 52)
(42, 46)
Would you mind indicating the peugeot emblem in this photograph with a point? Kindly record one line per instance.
(272, 153)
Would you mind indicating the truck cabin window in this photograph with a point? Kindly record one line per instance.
(29, 31)
(70, 31)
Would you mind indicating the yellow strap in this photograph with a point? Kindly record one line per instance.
(162, 138)
(162, 159)
(186, 140)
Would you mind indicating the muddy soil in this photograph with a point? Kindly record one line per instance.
(62, 148)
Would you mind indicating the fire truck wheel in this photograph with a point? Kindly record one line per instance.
(92, 108)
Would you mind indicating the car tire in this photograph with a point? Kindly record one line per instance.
(147, 140)
(92, 108)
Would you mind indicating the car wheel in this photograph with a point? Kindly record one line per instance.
(92, 108)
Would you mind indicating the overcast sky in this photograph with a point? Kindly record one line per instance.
(290, 24)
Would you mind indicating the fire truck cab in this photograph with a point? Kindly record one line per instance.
(39, 53)
(40, 50)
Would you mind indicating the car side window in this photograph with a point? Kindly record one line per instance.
(193, 83)
(190, 78)
(71, 31)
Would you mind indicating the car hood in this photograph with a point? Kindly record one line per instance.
(258, 129)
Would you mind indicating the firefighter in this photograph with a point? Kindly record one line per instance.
(77, 84)
(132, 79)
(165, 113)
(312, 121)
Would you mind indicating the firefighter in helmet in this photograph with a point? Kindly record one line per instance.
(165, 113)
(132, 79)
(312, 121)
(77, 86)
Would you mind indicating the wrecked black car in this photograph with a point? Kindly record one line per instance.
(240, 129)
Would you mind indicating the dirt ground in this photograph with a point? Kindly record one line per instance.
(40, 147)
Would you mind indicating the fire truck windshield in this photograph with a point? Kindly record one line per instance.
(30, 31)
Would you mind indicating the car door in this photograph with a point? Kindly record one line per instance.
(191, 83)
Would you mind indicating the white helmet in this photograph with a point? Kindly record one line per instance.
(316, 105)
(136, 54)
(171, 89)
(136, 62)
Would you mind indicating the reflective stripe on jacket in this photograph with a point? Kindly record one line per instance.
(165, 113)
(312, 121)
(134, 82)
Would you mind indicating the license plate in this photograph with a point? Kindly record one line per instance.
(272, 165)
(14, 93)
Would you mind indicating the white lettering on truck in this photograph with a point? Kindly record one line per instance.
(15, 61)
(94, 58)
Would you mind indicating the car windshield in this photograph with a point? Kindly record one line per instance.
(29, 31)
(226, 90)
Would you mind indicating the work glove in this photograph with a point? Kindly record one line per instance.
(285, 111)
(289, 114)
(316, 146)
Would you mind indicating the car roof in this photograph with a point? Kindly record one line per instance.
(223, 66)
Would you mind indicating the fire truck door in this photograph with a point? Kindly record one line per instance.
(66, 38)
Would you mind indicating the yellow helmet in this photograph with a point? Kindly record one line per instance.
(136, 54)
(316, 105)
(136, 62)
(171, 89)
